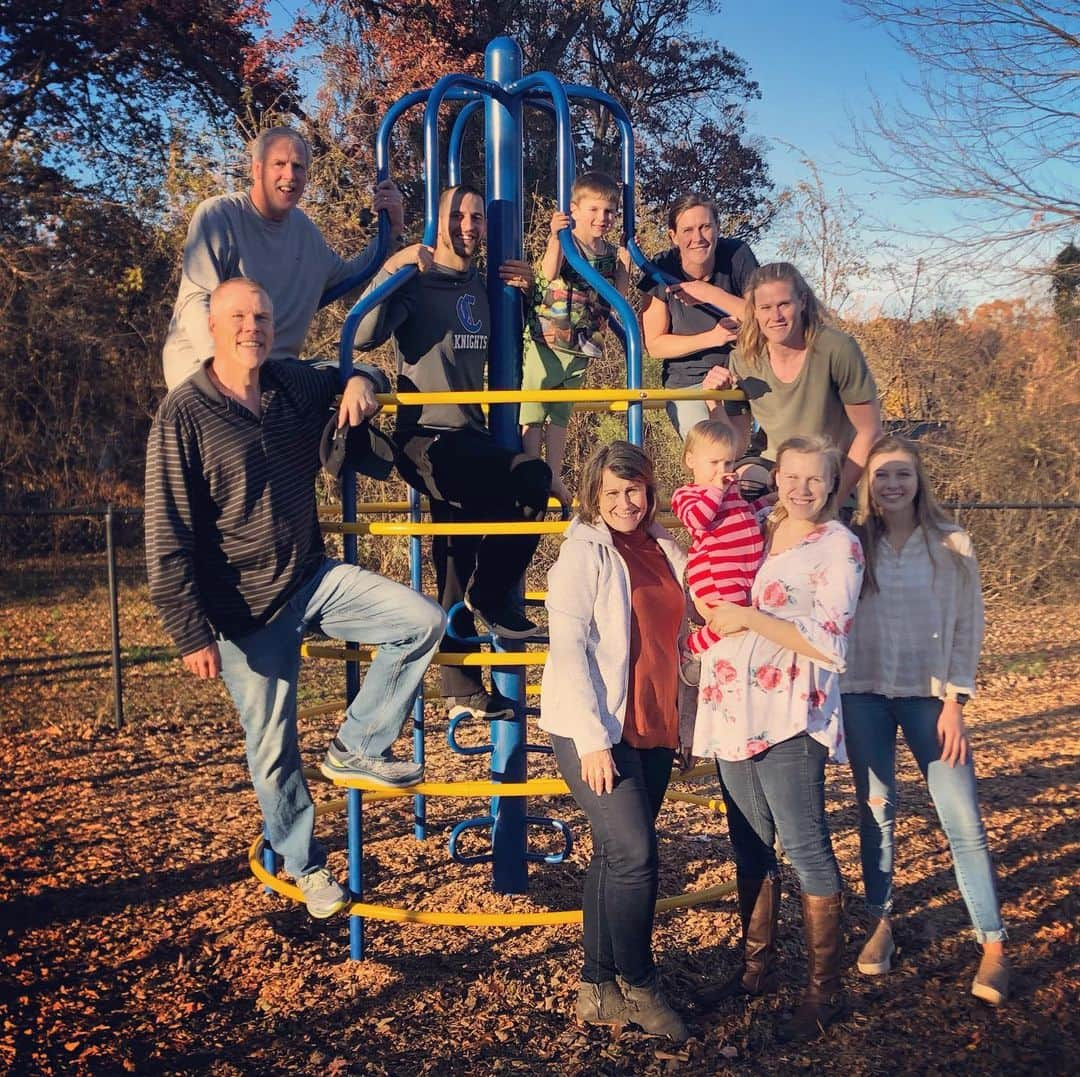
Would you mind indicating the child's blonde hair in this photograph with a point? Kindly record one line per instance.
(598, 184)
(709, 432)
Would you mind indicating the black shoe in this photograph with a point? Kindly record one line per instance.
(501, 618)
(488, 705)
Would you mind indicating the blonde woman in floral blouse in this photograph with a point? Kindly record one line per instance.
(914, 649)
(769, 713)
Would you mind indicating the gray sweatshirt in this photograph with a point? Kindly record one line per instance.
(228, 237)
(440, 323)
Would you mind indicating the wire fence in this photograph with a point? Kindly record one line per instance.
(110, 514)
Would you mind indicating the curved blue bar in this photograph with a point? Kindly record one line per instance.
(627, 329)
(552, 824)
(457, 136)
(451, 615)
(469, 824)
(444, 88)
(462, 749)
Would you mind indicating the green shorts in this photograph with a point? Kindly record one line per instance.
(545, 368)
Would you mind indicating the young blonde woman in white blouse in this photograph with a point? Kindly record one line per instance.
(911, 666)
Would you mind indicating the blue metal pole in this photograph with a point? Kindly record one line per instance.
(355, 810)
(419, 748)
(503, 160)
(457, 136)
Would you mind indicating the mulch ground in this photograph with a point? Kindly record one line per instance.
(136, 940)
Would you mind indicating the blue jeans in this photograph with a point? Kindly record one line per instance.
(870, 724)
(781, 790)
(685, 413)
(619, 903)
(260, 671)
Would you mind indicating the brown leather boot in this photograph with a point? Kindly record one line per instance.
(823, 1001)
(759, 904)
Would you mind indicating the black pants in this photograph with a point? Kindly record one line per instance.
(469, 478)
(619, 903)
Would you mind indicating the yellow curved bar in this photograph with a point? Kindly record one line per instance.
(712, 803)
(444, 918)
(536, 787)
(554, 396)
(403, 527)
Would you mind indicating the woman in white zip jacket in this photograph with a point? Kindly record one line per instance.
(609, 700)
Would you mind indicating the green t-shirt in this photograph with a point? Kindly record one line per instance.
(834, 374)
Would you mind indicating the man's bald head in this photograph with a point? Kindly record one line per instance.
(242, 325)
(228, 288)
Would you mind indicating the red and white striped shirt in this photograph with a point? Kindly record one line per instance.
(725, 551)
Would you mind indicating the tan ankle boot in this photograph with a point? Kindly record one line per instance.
(601, 1004)
(991, 982)
(823, 1001)
(649, 1010)
(875, 958)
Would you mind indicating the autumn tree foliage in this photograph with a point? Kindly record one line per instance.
(684, 92)
(1002, 383)
(95, 86)
(82, 313)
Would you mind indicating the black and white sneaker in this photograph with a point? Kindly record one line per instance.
(487, 705)
(501, 618)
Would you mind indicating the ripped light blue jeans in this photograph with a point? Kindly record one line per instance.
(870, 726)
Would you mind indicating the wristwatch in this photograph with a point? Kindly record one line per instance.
(962, 698)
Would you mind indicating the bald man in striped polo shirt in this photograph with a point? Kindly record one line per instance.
(238, 570)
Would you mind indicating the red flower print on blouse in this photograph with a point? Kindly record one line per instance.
(756, 747)
(774, 595)
(856, 553)
(723, 671)
(815, 699)
(768, 677)
(832, 628)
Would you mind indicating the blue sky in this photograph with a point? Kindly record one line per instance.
(818, 67)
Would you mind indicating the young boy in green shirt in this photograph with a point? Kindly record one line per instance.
(563, 331)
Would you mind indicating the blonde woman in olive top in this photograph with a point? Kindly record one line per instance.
(801, 377)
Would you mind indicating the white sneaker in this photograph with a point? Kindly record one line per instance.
(323, 894)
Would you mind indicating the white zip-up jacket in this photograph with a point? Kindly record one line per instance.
(583, 692)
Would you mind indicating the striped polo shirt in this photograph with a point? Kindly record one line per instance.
(231, 524)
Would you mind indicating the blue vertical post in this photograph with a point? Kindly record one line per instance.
(355, 843)
(419, 750)
(503, 161)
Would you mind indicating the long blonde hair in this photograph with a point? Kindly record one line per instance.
(930, 518)
(751, 344)
(834, 464)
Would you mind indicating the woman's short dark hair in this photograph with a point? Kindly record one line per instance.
(624, 460)
(690, 200)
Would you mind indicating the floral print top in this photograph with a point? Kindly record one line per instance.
(755, 693)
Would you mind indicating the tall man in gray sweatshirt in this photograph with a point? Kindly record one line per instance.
(440, 323)
(263, 235)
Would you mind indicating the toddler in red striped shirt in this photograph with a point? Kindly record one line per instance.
(726, 542)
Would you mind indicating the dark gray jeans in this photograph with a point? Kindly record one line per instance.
(621, 881)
